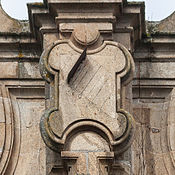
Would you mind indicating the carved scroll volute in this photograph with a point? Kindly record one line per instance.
(85, 77)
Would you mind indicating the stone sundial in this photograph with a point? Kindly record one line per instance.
(85, 76)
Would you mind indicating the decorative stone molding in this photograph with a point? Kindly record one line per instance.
(16, 126)
(91, 100)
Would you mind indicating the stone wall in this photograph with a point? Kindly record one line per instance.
(87, 89)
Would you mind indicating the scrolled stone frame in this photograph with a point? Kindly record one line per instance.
(119, 144)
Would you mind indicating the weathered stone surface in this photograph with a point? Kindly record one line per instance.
(32, 150)
(86, 34)
(89, 141)
(88, 79)
(9, 25)
(88, 106)
(155, 70)
(19, 143)
(168, 24)
(86, 98)
(9, 70)
(29, 70)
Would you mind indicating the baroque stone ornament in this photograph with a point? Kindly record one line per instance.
(91, 98)
(86, 77)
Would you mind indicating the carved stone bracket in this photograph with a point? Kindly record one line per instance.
(96, 162)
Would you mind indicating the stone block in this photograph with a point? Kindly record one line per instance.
(8, 70)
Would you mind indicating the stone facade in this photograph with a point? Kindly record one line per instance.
(87, 88)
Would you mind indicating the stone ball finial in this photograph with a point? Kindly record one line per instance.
(86, 34)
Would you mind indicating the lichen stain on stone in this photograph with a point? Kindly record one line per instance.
(20, 55)
(47, 75)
